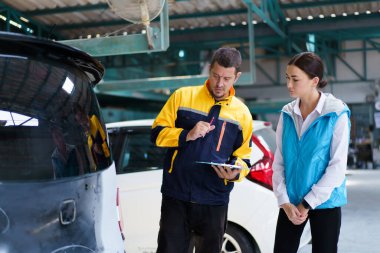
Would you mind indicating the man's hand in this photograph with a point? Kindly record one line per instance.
(226, 172)
(294, 215)
(199, 130)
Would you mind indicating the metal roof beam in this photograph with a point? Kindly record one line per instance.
(161, 82)
(278, 7)
(102, 6)
(11, 13)
(322, 3)
(143, 95)
(266, 74)
(69, 9)
(264, 15)
(116, 45)
(265, 18)
(362, 78)
(337, 23)
(374, 44)
(172, 17)
(127, 44)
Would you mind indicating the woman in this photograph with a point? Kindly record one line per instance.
(310, 161)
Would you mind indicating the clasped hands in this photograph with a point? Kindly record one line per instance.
(296, 214)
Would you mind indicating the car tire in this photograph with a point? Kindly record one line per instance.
(234, 240)
(237, 240)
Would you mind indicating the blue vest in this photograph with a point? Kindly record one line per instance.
(306, 159)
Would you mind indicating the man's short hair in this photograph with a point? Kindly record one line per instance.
(227, 57)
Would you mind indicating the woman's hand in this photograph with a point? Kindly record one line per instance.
(294, 215)
(304, 211)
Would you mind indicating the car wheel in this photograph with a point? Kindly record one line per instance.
(235, 240)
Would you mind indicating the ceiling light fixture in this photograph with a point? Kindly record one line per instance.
(24, 19)
(181, 53)
(321, 16)
(15, 24)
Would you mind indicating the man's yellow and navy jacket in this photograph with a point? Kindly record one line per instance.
(229, 142)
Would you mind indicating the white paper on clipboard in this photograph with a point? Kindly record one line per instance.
(232, 166)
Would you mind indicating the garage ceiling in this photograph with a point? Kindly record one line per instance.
(200, 26)
(79, 18)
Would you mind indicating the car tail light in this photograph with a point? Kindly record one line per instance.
(118, 209)
(261, 172)
(268, 124)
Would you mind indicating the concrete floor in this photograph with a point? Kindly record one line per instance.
(360, 231)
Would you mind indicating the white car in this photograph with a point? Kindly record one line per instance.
(253, 209)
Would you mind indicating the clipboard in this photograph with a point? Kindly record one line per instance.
(232, 166)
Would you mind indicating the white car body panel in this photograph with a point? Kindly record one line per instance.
(110, 232)
(251, 206)
(141, 222)
(259, 203)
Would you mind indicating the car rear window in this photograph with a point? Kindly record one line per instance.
(50, 124)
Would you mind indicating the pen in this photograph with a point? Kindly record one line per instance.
(212, 120)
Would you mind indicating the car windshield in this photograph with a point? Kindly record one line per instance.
(267, 138)
(50, 125)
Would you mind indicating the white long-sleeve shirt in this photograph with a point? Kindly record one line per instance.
(335, 172)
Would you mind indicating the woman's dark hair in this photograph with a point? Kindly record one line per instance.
(227, 57)
(311, 64)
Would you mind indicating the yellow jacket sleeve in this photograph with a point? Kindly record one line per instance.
(164, 132)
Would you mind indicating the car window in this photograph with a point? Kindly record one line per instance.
(50, 122)
(267, 138)
(139, 154)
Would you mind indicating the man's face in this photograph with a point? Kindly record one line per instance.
(221, 80)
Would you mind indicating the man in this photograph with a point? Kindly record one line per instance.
(65, 157)
(202, 124)
(98, 152)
